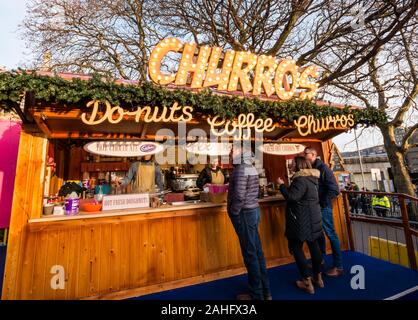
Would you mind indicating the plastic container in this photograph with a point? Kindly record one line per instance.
(48, 209)
(90, 203)
(92, 207)
(72, 204)
(59, 210)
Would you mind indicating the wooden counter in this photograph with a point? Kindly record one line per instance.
(148, 213)
(126, 254)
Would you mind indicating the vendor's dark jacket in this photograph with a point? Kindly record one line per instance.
(205, 177)
(303, 213)
(243, 189)
(328, 187)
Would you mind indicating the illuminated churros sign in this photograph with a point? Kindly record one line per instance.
(227, 71)
(256, 74)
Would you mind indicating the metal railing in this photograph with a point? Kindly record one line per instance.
(387, 233)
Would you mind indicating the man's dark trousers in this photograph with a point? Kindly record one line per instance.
(246, 226)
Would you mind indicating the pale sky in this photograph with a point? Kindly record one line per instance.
(14, 54)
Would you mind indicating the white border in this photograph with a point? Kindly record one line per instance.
(403, 293)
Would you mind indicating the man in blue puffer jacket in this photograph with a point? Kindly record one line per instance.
(328, 190)
(244, 212)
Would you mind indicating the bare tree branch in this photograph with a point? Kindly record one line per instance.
(405, 145)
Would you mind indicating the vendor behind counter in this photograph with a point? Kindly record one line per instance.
(143, 176)
(212, 174)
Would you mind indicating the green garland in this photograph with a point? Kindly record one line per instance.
(78, 92)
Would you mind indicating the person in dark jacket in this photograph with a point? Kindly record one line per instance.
(366, 203)
(328, 190)
(211, 174)
(353, 198)
(304, 221)
(244, 212)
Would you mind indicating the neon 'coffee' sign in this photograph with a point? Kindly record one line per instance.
(210, 68)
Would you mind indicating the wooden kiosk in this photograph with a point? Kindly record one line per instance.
(127, 253)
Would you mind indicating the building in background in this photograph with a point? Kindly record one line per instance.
(376, 168)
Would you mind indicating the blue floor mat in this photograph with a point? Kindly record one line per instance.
(382, 280)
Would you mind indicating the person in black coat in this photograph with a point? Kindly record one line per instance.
(328, 190)
(304, 221)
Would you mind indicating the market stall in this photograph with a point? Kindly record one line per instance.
(118, 243)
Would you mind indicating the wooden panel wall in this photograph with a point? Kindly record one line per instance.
(77, 155)
(27, 201)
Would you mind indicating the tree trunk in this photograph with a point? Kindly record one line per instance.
(402, 180)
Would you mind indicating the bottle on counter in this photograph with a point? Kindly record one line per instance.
(99, 195)
(261, 192)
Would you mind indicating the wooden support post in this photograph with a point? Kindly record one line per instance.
(348, 221)
(27, 201)
(408, 234)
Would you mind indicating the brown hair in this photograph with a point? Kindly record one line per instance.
(311, 150)
(302, 163)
